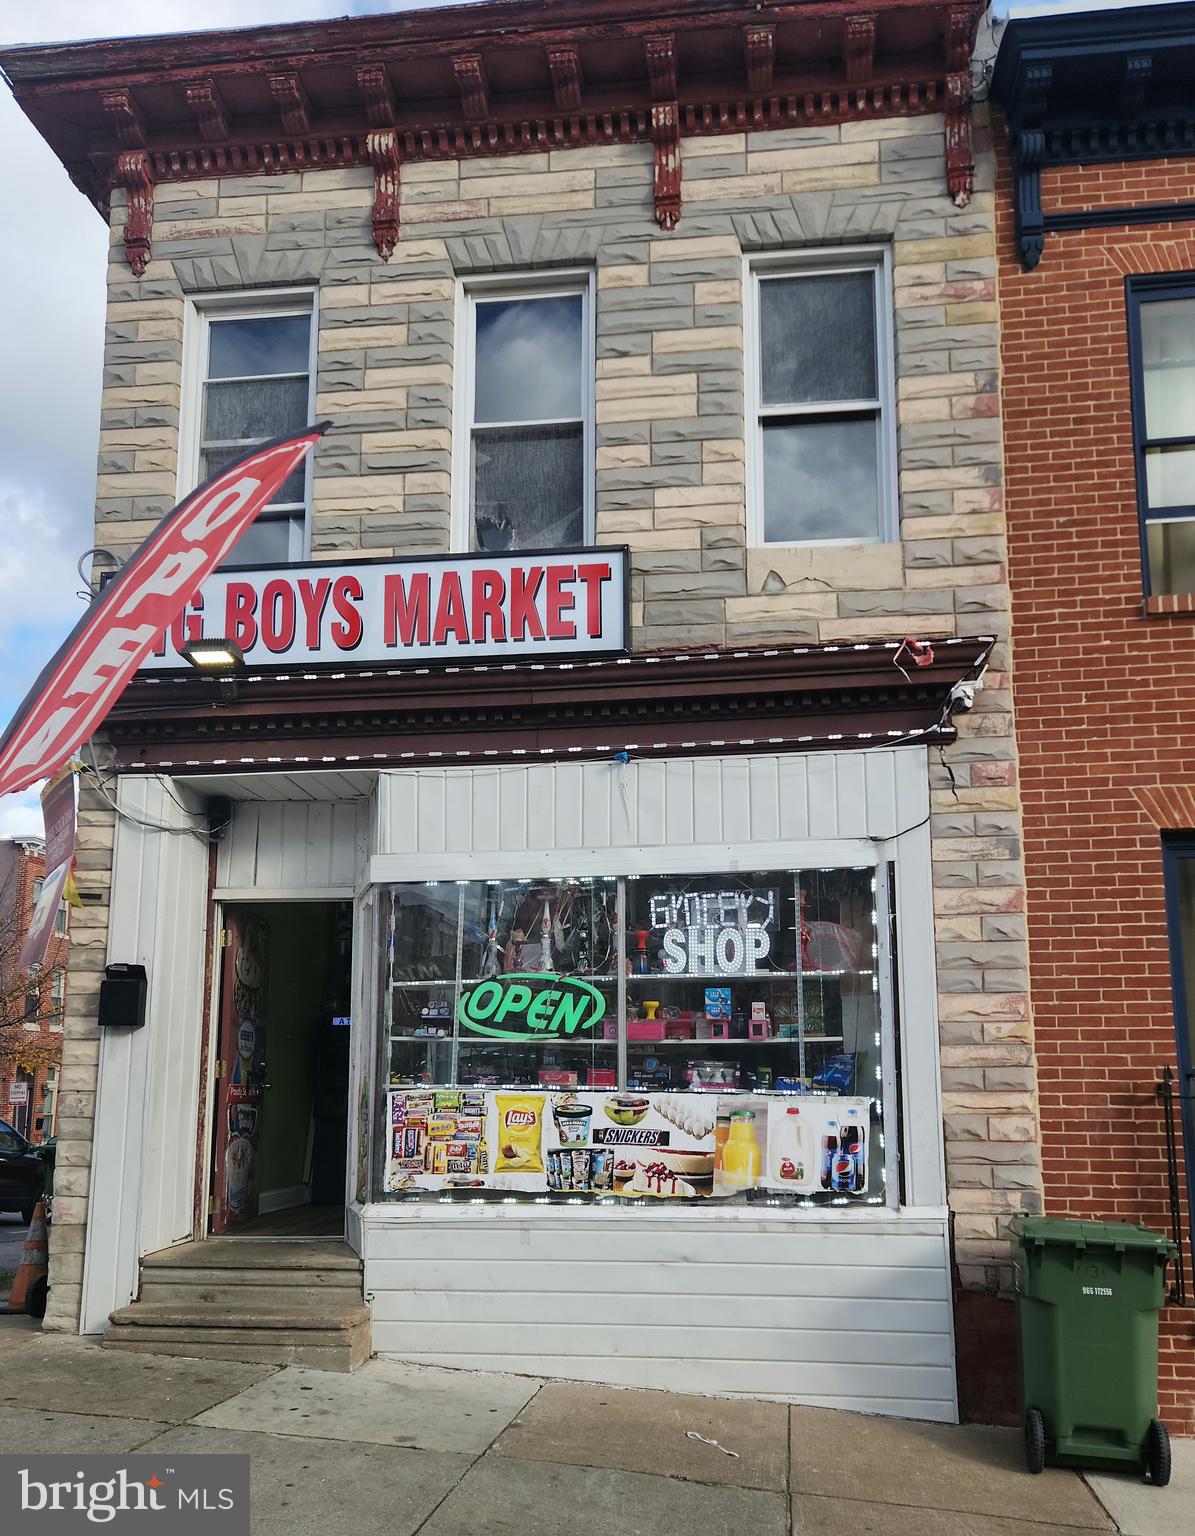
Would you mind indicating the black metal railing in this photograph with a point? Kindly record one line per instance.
(1165, 1091)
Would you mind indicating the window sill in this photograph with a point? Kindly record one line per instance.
(1168, 603)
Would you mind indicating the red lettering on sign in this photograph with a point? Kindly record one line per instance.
(348, 629)
(314, 597)
(278, 616)
(240, 606)
(594, 576)
(408, 609)
(524, 615)
(489, 592)
(560, 603)
(450, 611)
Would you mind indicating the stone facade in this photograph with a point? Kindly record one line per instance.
(670, 435)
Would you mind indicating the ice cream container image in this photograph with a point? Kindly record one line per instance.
(572, 1118)
(601, 1169)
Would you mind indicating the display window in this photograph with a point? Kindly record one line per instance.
(686, 1036)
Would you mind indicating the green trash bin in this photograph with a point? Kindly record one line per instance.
(1088, 1296)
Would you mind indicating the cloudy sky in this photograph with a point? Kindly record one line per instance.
(52, 254)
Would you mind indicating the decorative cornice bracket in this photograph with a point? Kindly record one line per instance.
(1138, 69)
(134, 172)
(126, 117)
(1028, 151)
(859, 47)
(960, 151)
(290, 96)
(205, 101)
(661, 67)
(564, 66)
(759, 50)
(378, 95)
(469, 70)
(382, 144)
(665, 137)
(665, 129)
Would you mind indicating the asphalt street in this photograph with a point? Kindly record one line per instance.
(12, 1239)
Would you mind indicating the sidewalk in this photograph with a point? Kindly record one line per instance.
(404, 1449)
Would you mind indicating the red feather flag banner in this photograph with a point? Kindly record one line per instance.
(74, 693)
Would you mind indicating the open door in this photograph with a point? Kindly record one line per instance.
(240, 1069)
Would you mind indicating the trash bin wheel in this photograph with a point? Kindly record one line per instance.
(1157, 1453)
(1035, 1440)
(35, 1306)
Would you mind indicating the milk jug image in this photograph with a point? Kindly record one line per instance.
(790, 1148)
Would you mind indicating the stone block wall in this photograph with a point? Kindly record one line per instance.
(671, 457)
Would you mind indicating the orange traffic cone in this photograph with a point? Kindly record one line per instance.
(30, 1284)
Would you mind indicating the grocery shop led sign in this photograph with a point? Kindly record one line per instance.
(395, 612)
(508, 1009)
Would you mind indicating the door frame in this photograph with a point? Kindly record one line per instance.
(1175, 848)
(205, 1156)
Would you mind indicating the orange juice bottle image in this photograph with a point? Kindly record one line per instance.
(721, 1132)
(740, 1155)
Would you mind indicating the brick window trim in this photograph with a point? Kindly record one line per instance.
(1168, 605)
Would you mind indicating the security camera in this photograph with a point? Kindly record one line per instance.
(962, 698)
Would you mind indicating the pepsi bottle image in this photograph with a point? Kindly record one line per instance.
(828, 1158)
(852, 1173)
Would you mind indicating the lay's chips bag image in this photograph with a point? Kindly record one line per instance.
(520, 1133)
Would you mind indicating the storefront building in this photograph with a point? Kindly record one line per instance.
(612, 838)
(1097, 294)
(31, 1005)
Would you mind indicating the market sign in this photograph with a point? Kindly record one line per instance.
(508, 1008)
(550, 603)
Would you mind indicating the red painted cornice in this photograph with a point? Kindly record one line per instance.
(493, 78)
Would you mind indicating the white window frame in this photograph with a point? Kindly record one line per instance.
(813, 263)
(563, 283)
(241, 305)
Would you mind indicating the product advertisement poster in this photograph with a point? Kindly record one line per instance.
(638, 1146)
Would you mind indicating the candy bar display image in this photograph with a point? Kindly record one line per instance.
(671, 1036)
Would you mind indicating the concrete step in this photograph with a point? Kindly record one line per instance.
(239, 1316)
(339, 1350)
(203, 1277)
(276, 1303)
(198, 1289)
(249, 1255)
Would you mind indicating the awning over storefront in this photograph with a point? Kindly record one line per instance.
(800, 699)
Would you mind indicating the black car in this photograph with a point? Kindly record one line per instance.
(22, 1173)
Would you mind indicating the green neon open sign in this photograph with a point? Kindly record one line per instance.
(506, 1008)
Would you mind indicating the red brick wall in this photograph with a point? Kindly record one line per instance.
(34, 1049)
(1105, 707)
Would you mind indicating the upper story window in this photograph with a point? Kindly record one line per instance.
(823, 449)
(37, 889)
(249, 378)
(61, 918)
(524, 442)
(1162, 347)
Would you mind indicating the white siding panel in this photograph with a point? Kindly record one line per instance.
(143, 1162)
(283, 848)
(847, 1315)
(759, 799)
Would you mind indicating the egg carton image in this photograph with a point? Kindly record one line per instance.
(690, 1114)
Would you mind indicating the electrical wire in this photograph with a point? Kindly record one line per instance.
(95, 775)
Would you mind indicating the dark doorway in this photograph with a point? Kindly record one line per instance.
(282, 1070)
